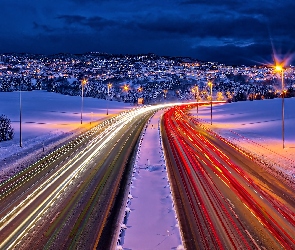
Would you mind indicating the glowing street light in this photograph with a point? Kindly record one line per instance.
(210, 85)
(279, 68)
(126, 88)
(83, 82)
(109, 86)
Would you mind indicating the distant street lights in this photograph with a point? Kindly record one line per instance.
(210, 85)
(83, 82)
(279, 68)
(109, 86)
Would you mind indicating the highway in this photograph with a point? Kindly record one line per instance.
(224, 199)
(70, 198)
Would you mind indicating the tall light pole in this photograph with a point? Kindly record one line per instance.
(195, 90)
(139, 99)
(126, 89)
(83, 83)
(109, 86)
(279, 68)
(210, 84)
(20, 115)
(197, 87)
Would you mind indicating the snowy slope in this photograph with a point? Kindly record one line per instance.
(48, 119)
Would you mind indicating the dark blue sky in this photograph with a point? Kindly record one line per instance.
(228, 31)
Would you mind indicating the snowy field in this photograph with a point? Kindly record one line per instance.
(47, 115)
(257, 128)
(47, 120)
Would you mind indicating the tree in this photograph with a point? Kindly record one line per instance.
(6, 131)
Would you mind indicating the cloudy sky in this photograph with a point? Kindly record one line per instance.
(227, 31)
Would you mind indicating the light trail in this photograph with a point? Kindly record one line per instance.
(198, 160)
(70, 171)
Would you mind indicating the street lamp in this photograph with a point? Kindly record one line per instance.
(20, 116)
(83, 82)
(279, 68)
(126, 88)
(195, 90)
(210, 85)
(109, 86)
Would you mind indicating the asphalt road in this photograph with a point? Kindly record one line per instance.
(224, 198)
(67, 200)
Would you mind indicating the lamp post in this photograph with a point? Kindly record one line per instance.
(197, 88)
(83, 82)
(210, 84)
(109, 86)
(279, 68)
(126, 88)
(20, 116)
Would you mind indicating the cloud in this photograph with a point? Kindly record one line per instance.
(96, 22)
(42, 27)
(227, 3)
(206, 26)
(235, 55)
(225, 31)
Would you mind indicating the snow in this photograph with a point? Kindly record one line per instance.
(48, 119)
(151, 223)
